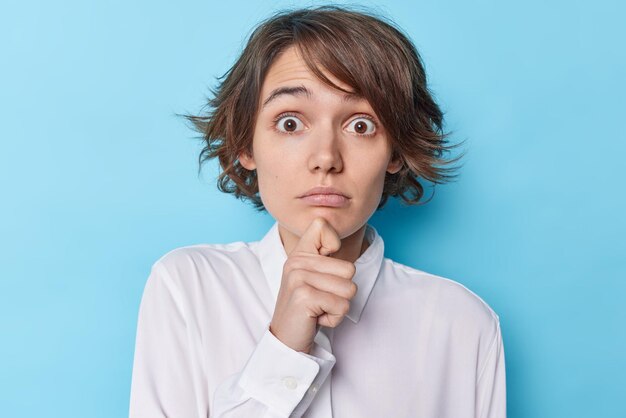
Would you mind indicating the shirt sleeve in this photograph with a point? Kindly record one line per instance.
(491, 384)
(169, 373)
(283, 380)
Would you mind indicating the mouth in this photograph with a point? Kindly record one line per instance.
(324, 190)
(332, 200)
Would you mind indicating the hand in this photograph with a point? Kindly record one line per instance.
(315, 289)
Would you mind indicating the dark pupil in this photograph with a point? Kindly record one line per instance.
(360, 127)
(289, 125)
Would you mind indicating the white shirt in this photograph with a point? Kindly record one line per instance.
(412, 345)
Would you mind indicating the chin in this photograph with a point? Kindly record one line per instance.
(344, 223)
(296, 219)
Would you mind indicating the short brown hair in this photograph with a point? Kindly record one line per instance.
(368, 53)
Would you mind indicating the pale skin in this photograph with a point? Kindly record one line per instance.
(325, 140)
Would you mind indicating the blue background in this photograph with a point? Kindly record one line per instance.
(99, 179)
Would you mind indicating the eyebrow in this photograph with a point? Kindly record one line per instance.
(303, 91)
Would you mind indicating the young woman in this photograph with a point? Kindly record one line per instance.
(323, 117)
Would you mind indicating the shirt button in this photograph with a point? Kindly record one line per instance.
(290, 382)
(313, 388)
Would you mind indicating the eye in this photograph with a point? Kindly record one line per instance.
(287, 123)
(364, 125)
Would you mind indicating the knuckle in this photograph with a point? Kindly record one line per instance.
(288, 266)
(295, 279)
(345, 307)
(302, 293)
(350, 269)
(353, 289)
(293, 262)
(296, 261)
(335, 323)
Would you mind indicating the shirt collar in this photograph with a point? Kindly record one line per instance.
(272, 257)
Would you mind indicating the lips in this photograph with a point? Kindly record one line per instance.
(325, 196)
(324, 190)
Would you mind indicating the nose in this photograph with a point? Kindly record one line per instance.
(325, 154)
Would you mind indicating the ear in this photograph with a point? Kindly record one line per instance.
(247, 161)
(394, 166)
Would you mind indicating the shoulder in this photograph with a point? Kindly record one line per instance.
(204, 253)
(185, 265)
(200, 281)
(450, 301)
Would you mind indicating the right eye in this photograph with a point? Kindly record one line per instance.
(287, 123)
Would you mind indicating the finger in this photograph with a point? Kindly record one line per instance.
(330, 307)
(329, 320)
(329, 283)
(321, 264)
(319, 238)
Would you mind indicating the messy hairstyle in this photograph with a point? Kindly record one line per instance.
(366, 52)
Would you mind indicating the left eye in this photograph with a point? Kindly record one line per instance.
(363, 126)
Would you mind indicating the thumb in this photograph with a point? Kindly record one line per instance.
(319, 238)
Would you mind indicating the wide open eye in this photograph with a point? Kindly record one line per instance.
(287, 123)
(363, 125)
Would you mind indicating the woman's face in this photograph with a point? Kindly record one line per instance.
(320, 138)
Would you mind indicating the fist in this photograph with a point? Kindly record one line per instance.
(315, 289)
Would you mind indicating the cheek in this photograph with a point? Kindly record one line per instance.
(276, 180)
(371, 185)
(377, 185)
(370, 174)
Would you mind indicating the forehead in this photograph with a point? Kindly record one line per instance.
(290, 69)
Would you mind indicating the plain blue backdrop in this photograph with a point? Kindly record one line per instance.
(99, 179)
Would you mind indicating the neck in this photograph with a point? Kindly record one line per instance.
(351, 249)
